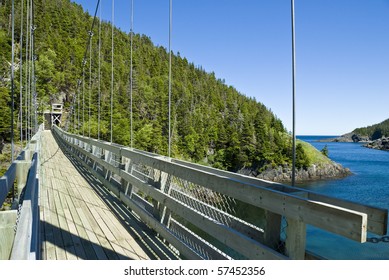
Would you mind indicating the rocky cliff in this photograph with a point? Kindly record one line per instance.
(314, 172)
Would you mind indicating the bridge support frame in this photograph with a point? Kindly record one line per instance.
(272, 230)
(127, 186)
(7, 233)
(296, 232)
(22, 168)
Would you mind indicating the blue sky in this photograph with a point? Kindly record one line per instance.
(342, 52)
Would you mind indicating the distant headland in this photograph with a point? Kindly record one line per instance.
(374, 137)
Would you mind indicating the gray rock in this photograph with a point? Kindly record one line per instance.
(314, 172)
(348, 138)
(379, 144)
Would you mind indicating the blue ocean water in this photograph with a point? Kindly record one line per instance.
(369, 184)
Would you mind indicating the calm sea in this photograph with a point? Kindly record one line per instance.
(369, 185)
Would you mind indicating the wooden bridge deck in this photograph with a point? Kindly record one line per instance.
(80, 219)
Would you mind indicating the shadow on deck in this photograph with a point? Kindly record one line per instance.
(146, 238)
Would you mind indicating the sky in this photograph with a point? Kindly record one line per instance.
(342, 52)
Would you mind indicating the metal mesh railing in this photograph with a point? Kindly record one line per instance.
(201, 246)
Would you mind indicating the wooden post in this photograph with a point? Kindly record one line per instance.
(165, 214)
(108, 157)
(272, 230)
(161, 182)
(126, 186)
(295, 239)
(22, 168)
(7, 233)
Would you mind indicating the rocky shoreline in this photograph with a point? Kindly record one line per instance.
(348, 138)
(314, 172)
(379, 144)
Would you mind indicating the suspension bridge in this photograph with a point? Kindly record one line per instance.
(84, 198)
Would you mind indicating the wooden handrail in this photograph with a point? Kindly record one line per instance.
(300, 207)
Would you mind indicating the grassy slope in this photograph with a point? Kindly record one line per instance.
(315, 156)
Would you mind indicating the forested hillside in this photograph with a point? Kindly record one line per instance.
(212, 123)
(375, 131)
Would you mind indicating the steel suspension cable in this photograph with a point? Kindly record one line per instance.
(170, 72)
(90, 83)
(83, 98)
(75, 114)
(75, 99)
(99, 74)
(112, 67)
(293, 96)
(26, 88)
(33, 86)
(12, 80)
(78, 106)
(30, 76)
(21, 74)
(131, 72)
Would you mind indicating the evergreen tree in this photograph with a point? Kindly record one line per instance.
(211, 122)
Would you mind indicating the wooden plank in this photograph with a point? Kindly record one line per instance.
(67, 239)
(107, 236)
(50, 253)
(97, 214)
(149, 220)
(41, 225)
(134, 251)
(75, 228)
(121, 235)
(49, 229)
(57, 234)
(77, 200)
(117, 229)
(91, 236)
(377, 217)
(73, 219)
(76, 249)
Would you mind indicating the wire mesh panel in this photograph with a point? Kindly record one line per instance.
(206, 201)
(198, 244)
(115, 159)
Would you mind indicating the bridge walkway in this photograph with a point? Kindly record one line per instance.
(81, 220)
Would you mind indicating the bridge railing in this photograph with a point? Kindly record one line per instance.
(19, 227)
(206, 213)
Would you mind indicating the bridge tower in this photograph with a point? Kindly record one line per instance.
(53, 117)
(56, 114)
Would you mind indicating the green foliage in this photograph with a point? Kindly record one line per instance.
(374, 131)
(324, 151)
(211, 122)
(5, 113)
(302, 159)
